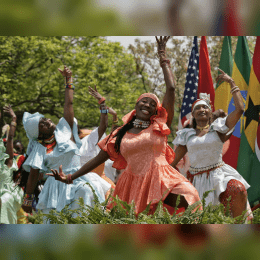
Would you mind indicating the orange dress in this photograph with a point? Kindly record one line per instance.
(147, 177)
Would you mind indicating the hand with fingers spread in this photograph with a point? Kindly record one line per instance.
(94, 93)
(66, 72)
(162, 42)
(224, 77)
(8, 110)
(59, 176)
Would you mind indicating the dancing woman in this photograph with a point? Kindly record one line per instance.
(51, 145)
(140, 148)
(204, 144)
(11, 195)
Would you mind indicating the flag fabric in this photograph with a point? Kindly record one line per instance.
(222, 91)
(248, 162)
(241, 75)
(191, 85)
(205, 84)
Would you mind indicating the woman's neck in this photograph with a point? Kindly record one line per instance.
(202, 123)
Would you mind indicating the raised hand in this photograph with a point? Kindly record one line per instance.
(94, 93)
(59, 176)
(66, 72)
(8, 110)
(223, 77)
(161, 42)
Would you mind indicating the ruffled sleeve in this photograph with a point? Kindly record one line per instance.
(219, 125)
(170, 154)
(108, 145)
(63, 135)
(183, 136)
(36, 158)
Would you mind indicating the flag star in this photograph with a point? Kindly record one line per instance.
(190, 59)
(192, 98)
(187, 73)
(195, 61)
(197, 54)
(193, 67)
(188, 89)
(184, 103)
(196, 84)
(190, 105)
(192, 74)
(186, 96)
(183, 111)
(194, 90)
(198, 71)
(189, 67)
(197, 77)
(190, 82)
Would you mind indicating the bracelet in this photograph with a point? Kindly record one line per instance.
(70, 86)
(101, 100)
(235, 89)
(13, 124)
(69, 179)
(67, 79)
(105, 111)
(165, 61)
(29, 196)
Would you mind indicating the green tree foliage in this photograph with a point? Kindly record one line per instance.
(31, 82)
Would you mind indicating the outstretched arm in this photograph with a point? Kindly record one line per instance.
(9, 145)
(86, 168)
(180, 151)
(169, 97)
(234, 116)
(103, 109)
(68, 106)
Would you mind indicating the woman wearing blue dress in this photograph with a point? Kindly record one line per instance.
(53, 145)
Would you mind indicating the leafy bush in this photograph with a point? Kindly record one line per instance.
(123, 213)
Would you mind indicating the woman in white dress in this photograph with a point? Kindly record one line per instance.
(204, 144)
(53, 145)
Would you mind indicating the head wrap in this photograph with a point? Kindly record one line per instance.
(31, 126)
(159, 120)
(204, 99)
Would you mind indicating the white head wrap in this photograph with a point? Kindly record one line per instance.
(31, 126)
(203, 100)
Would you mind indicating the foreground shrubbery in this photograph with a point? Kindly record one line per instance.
(123, 213)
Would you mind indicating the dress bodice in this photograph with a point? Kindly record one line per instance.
(146, 148)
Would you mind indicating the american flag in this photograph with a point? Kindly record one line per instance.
(191, 85)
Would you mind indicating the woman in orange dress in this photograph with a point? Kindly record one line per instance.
(140, 148)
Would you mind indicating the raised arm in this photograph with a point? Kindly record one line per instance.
(9, 146)
(169, 97)
(234, 116)
(103, 110)
(86, 168)
(180, 151)
(68, 106)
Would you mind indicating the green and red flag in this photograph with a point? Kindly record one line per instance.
(248, 162)
(205, 84)
(224, 100)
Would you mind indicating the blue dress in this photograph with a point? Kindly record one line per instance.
(55, 194)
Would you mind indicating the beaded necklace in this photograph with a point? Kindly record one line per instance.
(140, 123)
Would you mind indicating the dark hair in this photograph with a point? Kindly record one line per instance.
(121, 133)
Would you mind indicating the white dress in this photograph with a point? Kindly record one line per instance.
(90, 149)
(204, 153)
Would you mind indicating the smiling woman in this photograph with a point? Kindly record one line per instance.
(140, 148)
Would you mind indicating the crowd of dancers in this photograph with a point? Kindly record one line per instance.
(134, 162)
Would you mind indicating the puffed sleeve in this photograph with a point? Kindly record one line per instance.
(108, 145)
(219, 125)
(35, 159)
(183, 136)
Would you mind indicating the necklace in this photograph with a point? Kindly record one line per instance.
(202, 127)
(48, 143)
(140, 123)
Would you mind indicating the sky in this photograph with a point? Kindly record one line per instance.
(127, 40)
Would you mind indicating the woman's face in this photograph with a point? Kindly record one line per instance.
(18, 147)
(46, 127)
(145, 108)
(201, 112)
